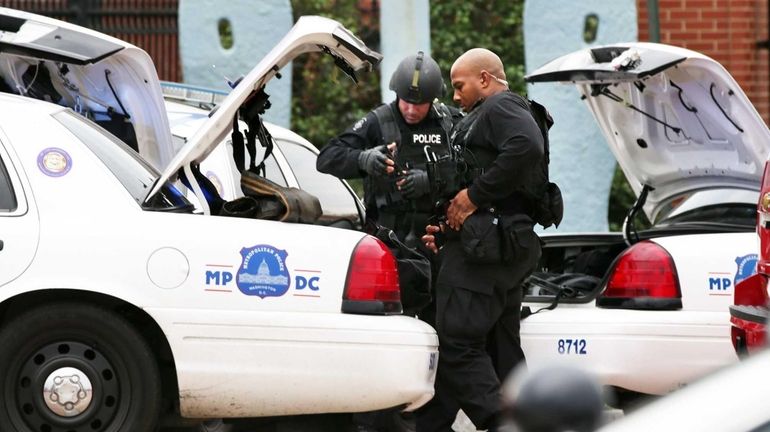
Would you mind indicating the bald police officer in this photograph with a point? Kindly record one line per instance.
(478, 295)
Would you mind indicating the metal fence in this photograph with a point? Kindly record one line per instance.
(148, 24)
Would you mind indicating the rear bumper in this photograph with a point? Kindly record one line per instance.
(332, 363)
(749, 314)
(650, 352)
(749, 330)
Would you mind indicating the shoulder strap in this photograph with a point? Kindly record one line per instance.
(238, 145)
(256, 130)
(445, 117)
(388, 126)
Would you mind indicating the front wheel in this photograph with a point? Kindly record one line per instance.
(70, 367)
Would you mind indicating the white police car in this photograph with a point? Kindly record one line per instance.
(647, 312)
(292, 162)
(119, 304)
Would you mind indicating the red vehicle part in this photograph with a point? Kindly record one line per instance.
(749, 313)
(372, 286)
(643, 277)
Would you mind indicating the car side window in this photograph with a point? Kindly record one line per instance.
(7, 197)
(273, 172)
(337, 202)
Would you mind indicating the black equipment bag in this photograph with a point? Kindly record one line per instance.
(295, 204)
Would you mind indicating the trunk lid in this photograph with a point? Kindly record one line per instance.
(309, 34)
(674, 118)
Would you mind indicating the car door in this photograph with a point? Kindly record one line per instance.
(19, 227)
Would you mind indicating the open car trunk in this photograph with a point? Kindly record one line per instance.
(107, 80)
(687, 138)
(115, 84)
(577, 266)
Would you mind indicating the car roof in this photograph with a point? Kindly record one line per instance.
(179, 112)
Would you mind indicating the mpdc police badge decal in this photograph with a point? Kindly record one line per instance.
(263, 272)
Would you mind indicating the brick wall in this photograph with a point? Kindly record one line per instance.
(725, 30)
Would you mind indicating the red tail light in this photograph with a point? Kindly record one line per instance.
(643, 277)
(372, 283)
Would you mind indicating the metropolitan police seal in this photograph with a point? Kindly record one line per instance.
(54, 162)
(263, 272)
(747, 266)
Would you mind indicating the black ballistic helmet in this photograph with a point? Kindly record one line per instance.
(417, 79)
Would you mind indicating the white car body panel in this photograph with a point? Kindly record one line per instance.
(257, 365)
(731, 400)
(20, 238)
(236, 353)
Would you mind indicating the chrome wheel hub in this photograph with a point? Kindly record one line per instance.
(67, 392)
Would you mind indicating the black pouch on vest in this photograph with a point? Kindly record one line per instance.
(484, 239)
(550, 209)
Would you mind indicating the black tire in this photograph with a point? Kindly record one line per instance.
(94, 344)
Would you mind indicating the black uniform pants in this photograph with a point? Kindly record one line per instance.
(477, 320)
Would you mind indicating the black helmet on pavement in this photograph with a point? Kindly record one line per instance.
(417, 79)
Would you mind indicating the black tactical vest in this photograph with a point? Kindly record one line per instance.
(412, 142)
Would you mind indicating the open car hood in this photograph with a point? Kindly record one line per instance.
(675, 119)
(93, 73)
(309, 34)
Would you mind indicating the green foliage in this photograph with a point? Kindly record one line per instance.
(322, 106)
(324, 100)
(622, 198)
(459, 25)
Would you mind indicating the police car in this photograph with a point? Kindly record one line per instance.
(647, 310)
(120, 304)
(292, 162)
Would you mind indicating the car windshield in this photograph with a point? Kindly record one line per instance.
(726, 214)
(136, 175)
(732, 207)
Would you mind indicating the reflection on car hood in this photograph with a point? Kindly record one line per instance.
(309, 34)
(674, 119)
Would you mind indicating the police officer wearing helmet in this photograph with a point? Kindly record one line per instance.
(388, 148)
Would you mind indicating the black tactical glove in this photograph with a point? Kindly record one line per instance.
(416, 184)
(374, 160)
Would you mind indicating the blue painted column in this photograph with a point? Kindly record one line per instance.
(256, 28)
(404, 30)
(581, 163)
